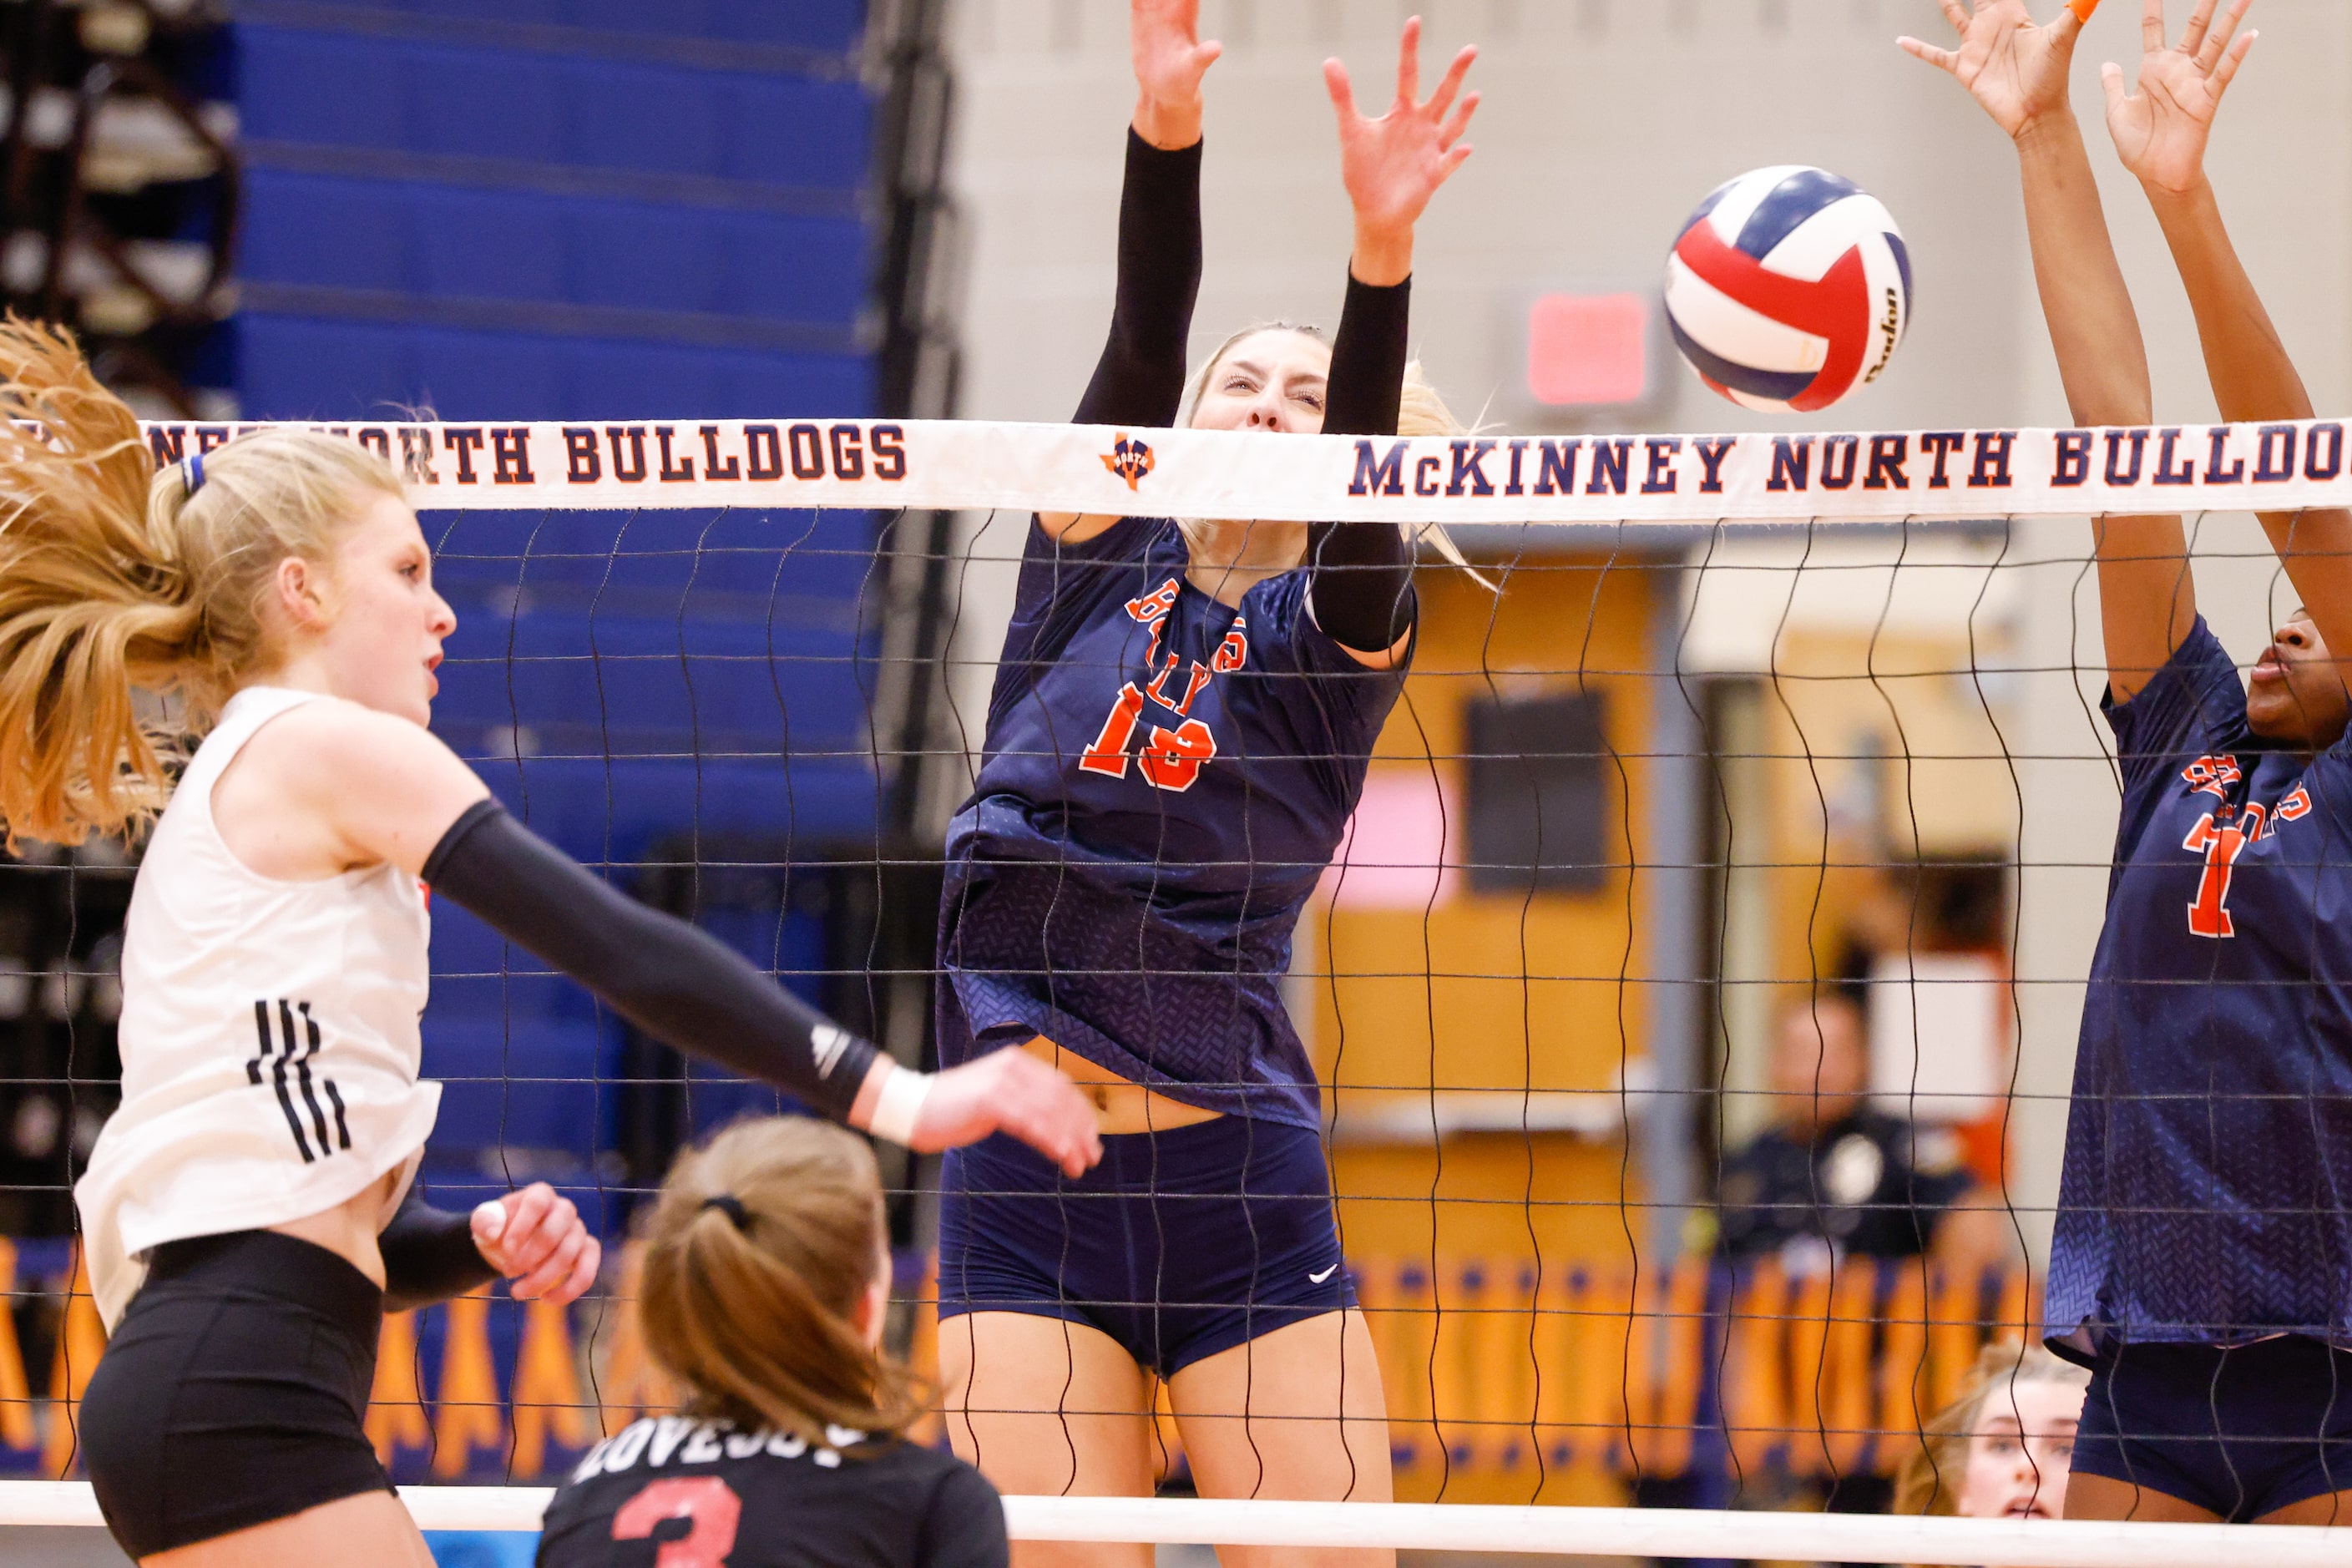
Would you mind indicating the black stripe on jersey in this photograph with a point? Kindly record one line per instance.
(277, 1072)
(335, 1098)
(302, 1072)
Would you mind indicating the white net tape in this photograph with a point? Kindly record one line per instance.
(1438, 1527)
(959, 464)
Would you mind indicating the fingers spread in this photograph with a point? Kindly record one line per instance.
(2201, 19)
(2151, 26)
(1443, 97)
(1459, 123)
(2216, 42)
(1942, 59)
(1343, 92)
(1409, 63)
(1955, 13)
(2226, 71)
(2111, 76)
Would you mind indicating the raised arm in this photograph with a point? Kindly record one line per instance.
(2161, 134)
(1362, 591)
(1139, 380)
(2018, 72)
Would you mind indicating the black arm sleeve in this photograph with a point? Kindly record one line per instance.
(1140, 378)
(679, 985)
(430, 1255)
(1363, 587)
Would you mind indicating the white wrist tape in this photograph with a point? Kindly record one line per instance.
(900, 1103)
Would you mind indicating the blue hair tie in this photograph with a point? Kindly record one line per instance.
(195, 468)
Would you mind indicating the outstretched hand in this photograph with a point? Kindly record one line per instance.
(2015, 69)
(1169, 61)
(2160, 131)
(1394, 164)
(1010, 1091)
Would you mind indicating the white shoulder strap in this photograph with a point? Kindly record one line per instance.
(247, 711)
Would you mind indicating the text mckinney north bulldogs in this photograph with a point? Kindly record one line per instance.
(591, 454)
(1934, 459)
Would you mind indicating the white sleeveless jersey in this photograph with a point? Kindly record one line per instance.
(268, 1037)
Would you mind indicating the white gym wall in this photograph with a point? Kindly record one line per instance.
(1605, 123)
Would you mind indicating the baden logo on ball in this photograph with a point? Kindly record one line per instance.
(1789, 289)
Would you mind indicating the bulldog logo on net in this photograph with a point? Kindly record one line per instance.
(1130, 458)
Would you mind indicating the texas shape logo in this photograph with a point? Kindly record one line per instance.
(1129, 459)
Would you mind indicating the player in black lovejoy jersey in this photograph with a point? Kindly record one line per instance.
(2203, 1260)
(766, 1282)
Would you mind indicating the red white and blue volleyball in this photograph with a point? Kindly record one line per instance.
(1789, 289)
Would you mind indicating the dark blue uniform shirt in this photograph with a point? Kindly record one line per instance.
(2207, 1188)
(1165, 780)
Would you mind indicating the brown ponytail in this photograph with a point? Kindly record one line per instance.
(114, 578)
(756, 1316)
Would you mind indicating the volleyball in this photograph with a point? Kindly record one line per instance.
(1789, 289)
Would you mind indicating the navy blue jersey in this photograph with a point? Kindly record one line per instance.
(1165, 780)
(2207, 1188)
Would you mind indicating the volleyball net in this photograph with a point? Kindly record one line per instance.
(1731, 723)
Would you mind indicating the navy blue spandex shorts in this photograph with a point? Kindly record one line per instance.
(2242, 1431)
(1178, 1246)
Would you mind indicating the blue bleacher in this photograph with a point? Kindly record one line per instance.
(832, 25)
(442, 242)
(588, 209)
(295, 366)
(331, 89)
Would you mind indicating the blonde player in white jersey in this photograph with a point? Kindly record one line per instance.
(248, 1213)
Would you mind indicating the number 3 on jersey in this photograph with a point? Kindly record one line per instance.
(707, 1504)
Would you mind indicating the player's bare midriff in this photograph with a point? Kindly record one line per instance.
(348, 1229)
(1121, 1105)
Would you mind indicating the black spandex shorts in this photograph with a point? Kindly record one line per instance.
(1178, 1246)
(2241, 1432)
(233, 1392)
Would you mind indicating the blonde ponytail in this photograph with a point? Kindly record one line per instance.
(115, 579)
(95, 598)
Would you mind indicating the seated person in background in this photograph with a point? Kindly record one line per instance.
(2002, 1449)
(766, 1281)
(1832, 1177)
